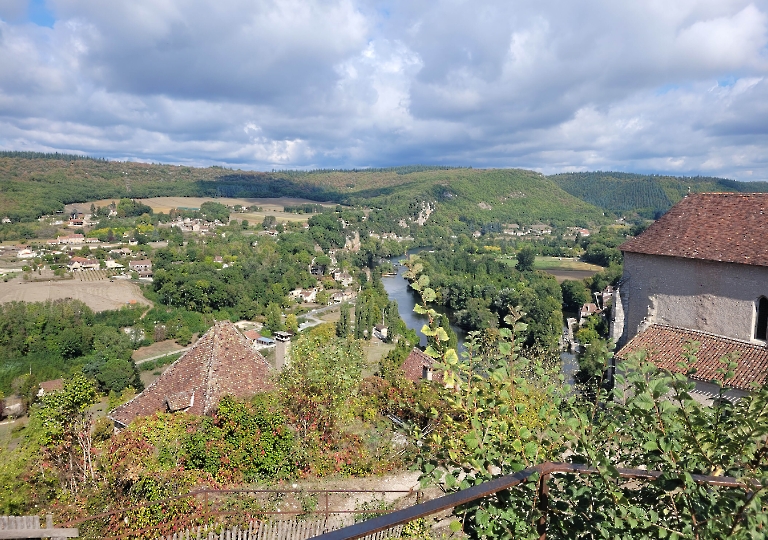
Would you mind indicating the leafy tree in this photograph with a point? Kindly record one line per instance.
(63, 428)
(575, 295)
(291, 323)
(525, 259)
(323, 374)
(274, 318)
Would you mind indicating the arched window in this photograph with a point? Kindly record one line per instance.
(761, 321)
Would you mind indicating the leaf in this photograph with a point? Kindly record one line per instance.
(455, 526)
(428, 295)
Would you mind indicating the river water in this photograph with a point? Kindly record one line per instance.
(398, 288)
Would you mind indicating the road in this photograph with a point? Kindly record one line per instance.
(311, 317)
(161, 356)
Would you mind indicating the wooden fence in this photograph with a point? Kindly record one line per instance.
(29, 527)
(274, 530)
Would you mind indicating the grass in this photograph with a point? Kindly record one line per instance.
(556, 263)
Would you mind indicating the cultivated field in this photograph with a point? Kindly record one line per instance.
(269, 207)
(97, 294)
(563, 268)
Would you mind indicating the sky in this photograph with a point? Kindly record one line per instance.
(652, 86)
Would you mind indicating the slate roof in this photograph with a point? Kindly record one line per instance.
(664, 345)
(222, 362)
(727, 227)
(415, 363)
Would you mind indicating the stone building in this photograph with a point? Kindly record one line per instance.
(700, 273)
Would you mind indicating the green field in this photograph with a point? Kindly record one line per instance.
(556, 263)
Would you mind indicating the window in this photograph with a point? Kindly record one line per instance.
(761, 322)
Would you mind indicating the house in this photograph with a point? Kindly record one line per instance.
(71, 239)
(143, 267)
(76, 264)
(221, 363)
(419, 366)
(46, 387)
(587, 310)
(699, 273)
(343, 278)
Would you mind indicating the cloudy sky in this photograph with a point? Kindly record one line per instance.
(662, 86)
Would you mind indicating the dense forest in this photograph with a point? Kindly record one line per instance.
(648, 195)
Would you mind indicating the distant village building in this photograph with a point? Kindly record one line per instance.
(222, 362)
(142, 267)
(71, 239)
(77, 264)
(700, 273)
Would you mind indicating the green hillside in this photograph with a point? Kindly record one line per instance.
(36, 184)
(648, 195)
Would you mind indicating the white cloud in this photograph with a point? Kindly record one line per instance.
(555, 85)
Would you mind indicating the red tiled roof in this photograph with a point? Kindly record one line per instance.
(664, 345)
(727, 227)
(221, 363)
(416, 362)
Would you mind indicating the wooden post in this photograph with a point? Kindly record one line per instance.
(543, 506)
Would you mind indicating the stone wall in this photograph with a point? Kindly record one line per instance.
(719, 298)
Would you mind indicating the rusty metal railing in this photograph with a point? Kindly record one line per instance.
(447, 502)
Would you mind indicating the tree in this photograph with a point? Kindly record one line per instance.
(342, 326)
(575, 295)
(274, 318)
(63, 425)
(323, 374)
(525, 259)
(292, 323)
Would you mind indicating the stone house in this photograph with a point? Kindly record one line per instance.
(700, 273)
(419, 366)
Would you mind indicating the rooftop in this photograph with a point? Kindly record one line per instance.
(221, 363)
(726, 227)
(665, 348)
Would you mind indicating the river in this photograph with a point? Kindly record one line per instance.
(398, 288)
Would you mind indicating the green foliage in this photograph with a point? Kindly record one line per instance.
(213, 211)
(343, 325)
(575, 295)
(324, 372)
(504, 412)
(63, 429)
(525, 258)
(648, 195)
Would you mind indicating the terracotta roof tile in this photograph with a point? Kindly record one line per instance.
(222, 362)
(416, 362)
(727, 227)
(664, 345)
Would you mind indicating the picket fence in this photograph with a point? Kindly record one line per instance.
(273, 530)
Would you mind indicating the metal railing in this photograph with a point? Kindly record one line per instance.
(447, 502)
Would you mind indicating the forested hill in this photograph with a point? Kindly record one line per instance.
(35, 184)
(648, 195)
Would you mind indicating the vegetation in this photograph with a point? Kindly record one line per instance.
(647, 195)
(504, 412)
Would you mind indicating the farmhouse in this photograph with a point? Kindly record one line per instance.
(142, 267)
(81, 263)
(700, 273)
(222, 362)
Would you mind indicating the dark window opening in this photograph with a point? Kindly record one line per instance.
(761, 326)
